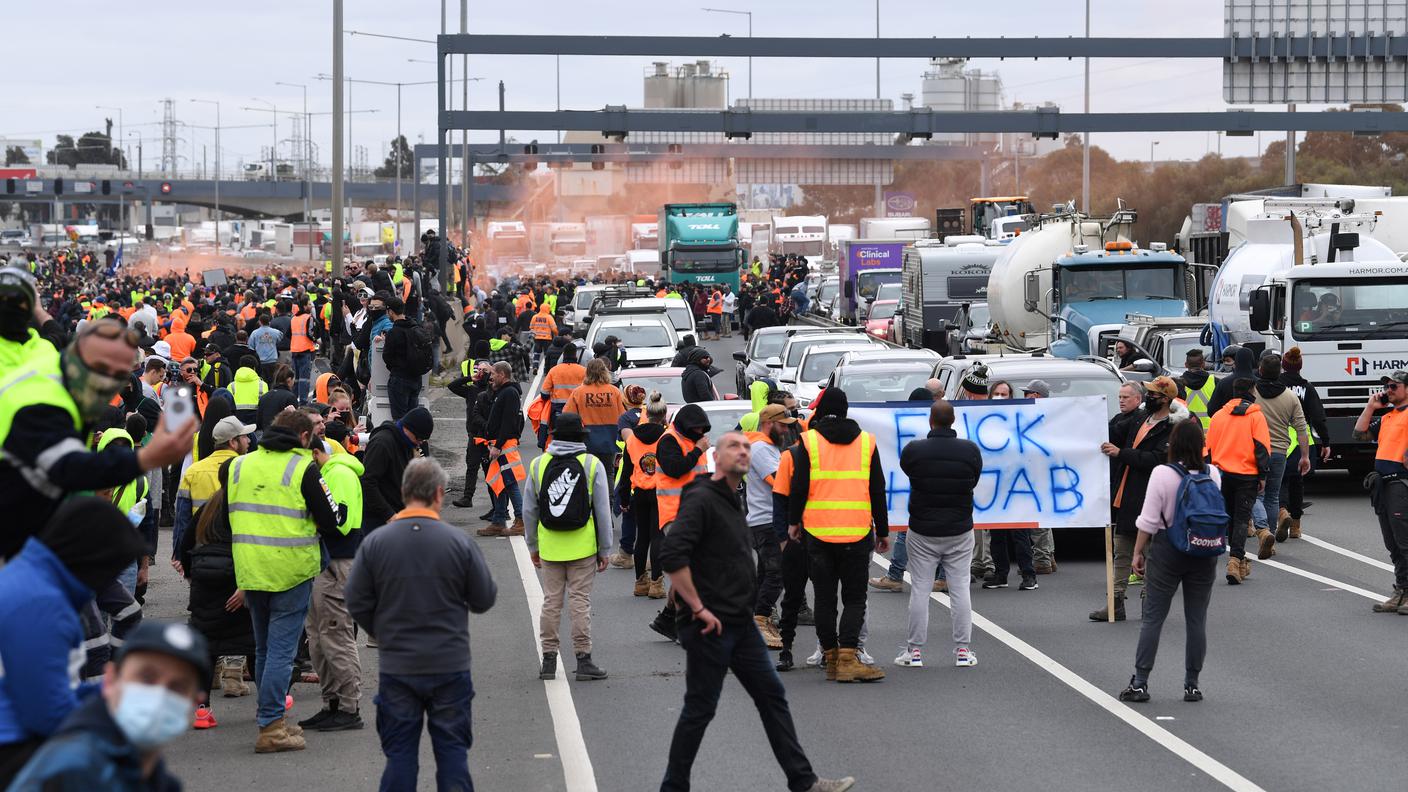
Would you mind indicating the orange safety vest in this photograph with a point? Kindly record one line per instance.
(507, 461)
(543, 326)
(668, 488)
(643, 464)
(838, 497)
(562, 380)
(716, 303)
(247, 312)
(301, 340)
(405, 289)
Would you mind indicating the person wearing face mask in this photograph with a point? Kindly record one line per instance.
(42, 592)
(48, 407)
(1136, 447)
(19, 304)
(114, 741)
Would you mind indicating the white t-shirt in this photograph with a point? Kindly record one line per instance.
(730, 302)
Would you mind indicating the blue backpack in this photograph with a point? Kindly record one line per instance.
(1199, 526)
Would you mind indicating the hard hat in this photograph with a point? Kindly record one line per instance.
(15, 282)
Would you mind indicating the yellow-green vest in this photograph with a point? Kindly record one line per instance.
(37, 382)
(202, 479)
(342, 472)
(247, 392)
(397, 274)
(576, 544)
(467, 366)
(274, 538)
(1198, 401)
(550, 300)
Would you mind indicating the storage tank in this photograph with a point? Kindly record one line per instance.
(691, 85)
(949, 87)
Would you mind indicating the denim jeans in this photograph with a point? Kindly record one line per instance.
(1271, 497)
(278, 621)
(738, 648)
(404, 394)
(511, 492)
(442, 702)
(303, 375)
(899, 558)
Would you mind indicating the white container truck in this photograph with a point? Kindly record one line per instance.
(801, 235)
(936, 279)
(902, 228)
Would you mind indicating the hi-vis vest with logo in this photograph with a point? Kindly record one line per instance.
(643, 462)
(1198, 401)
(1299, 391)
(578, 543)
(274, 539)
(668, 488)
(838, 497)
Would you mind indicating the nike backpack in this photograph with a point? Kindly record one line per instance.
(564, 494)
(1199, 525)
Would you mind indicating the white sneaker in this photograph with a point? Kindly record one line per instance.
(963, 657)
(864, 656)
(910, 658)
(815, 659)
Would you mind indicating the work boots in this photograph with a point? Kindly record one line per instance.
(828, 661)
(1267, 547)
(657, 588)
(771, 638)
(492, 529)
(1283, 526)
(275, 738)
(232, 684)
(1103, 615)
(1294, 531)
(642, 587)
(1393, 603)
(849, 668)
(1234, 571)
(516, 529)
(586, 669)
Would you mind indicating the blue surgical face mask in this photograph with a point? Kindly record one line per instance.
(151, 716)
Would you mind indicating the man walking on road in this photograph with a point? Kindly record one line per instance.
(943, 471)
(1238, 446)
(838, 494)
(567, 511)
(1389, 489)
(505, 465)
(1283, 413)
(708, 554)
(413, 584)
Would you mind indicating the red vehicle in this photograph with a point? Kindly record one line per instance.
(880, 322)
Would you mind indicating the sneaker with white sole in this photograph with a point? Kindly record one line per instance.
(864, 656)
(963, 657)
(814, 659)
(911, 658)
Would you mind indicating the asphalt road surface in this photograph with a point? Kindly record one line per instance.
(1303, 685)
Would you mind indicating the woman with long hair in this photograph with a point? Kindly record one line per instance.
(637, 494)
(1168, 567)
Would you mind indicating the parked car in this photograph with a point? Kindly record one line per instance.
(792, 350)
(880, 380)
(1087, 377)
(649, 339)
(880, 320)
(815, 367)
(681, 316)
(756, 360)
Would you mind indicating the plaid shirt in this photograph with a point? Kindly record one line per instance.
(516, 355)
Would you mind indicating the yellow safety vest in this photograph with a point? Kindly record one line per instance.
(247, 393)
(202, 478)
(578, 543)
(1198, 401)
(274, 538)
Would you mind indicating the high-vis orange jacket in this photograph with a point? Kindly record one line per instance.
(1238, 439)
(838, 499)
(669, 488)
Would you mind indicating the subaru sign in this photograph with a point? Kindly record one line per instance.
(899, 204)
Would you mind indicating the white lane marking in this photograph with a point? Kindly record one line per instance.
(1161, 736)
(1373, 562)
(1365, 593)
(576, 762)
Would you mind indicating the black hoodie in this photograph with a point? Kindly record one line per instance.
(696, 383)
(840, 431)
(1244, 365)
(1195, 379)
(383, 464)
(1310, 401)
(648, 433)
(691, 422)
(711, 537)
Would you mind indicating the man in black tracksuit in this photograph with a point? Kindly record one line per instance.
(473, 388)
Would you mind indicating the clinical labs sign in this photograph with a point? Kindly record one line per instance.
(1042, 466)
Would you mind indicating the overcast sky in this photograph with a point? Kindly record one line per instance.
(131, 55)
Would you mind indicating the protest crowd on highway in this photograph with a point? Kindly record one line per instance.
(270, 438)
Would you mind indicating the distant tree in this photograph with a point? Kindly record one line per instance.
(388, 170)
(92, 148)
(14, 155)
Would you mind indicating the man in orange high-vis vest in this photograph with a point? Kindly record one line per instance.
(303, 348)
(715, 309)
(544, 327)
(503, 427)
(679, 458)
(561, 380)
(838, 500)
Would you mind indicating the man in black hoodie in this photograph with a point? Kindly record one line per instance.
(709, 555)
(390, 448)
(839, 544)
(683, 350)
(505, 426)
(1244, 365)
(673, 462)
(473, 387)
(402, 381)
(697, 382)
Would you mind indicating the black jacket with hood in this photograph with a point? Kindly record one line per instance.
(505, 421)
(841, 431)
(1134, 464)
(943, 471)
(1195, 379)
(711, 537)
(695, 382)
(691, 422)
(1243, 365)
(1310, 402)
(384, 463)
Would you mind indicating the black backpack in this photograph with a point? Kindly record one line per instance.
(564, 497)
(422, 340)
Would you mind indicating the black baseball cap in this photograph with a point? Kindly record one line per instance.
(173, 639)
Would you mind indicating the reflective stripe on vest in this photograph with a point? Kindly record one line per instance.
(509, 461)
(40, 383)
(301, 341)
(1198, 401)
(571, 545)
(247, 393)
(274, 540)
(667, 488)
(838, 498)
(466, 367)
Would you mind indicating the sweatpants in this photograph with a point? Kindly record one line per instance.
(1007, 544)
(1167, 569)
(570, 581)
(954, 554)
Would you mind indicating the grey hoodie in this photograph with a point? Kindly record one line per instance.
(601, 497)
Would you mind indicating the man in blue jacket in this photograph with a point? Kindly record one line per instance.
(82, 547)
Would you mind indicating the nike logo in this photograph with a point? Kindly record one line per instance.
(560, 491)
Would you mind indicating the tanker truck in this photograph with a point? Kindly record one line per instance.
(1322, 282)
(1066, 284)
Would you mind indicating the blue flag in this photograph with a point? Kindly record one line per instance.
(117, 260)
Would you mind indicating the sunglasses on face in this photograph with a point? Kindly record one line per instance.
(1392, 386)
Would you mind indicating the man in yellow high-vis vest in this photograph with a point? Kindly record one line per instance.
(278, 505)
(1200, 384)
(838, 500)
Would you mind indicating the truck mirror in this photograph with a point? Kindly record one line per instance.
(1259, 310)
(850, 290)
(1029, 291)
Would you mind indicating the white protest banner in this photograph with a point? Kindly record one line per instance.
(1042, 466)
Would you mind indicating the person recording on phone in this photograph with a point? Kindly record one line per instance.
(48, 406)
(1388, 484)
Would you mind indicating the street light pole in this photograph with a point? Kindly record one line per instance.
(1085, 136)
(748, 14)
(337, 121)
(1151, 154)
(216, 102)
(273, 152)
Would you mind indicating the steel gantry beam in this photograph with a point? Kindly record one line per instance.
(661, 152)
(1294, 47)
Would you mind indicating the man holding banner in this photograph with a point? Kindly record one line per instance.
(837, 495)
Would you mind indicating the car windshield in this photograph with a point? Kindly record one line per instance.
(819, 365)
(877, 384)
(1363, 307)
(868, 282)
(680, 315)
(1082, 284)
(583, 299)
(1178, 347)
(723, 420)
(978, 315)
(888, 291)
(828, 291)
(883, 310)
(668, 385)
(1095, 383)
(635, 335)
(706, 260)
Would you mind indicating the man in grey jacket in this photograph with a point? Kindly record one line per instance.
(1283, 413)
(413, 584)
(567, 517)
